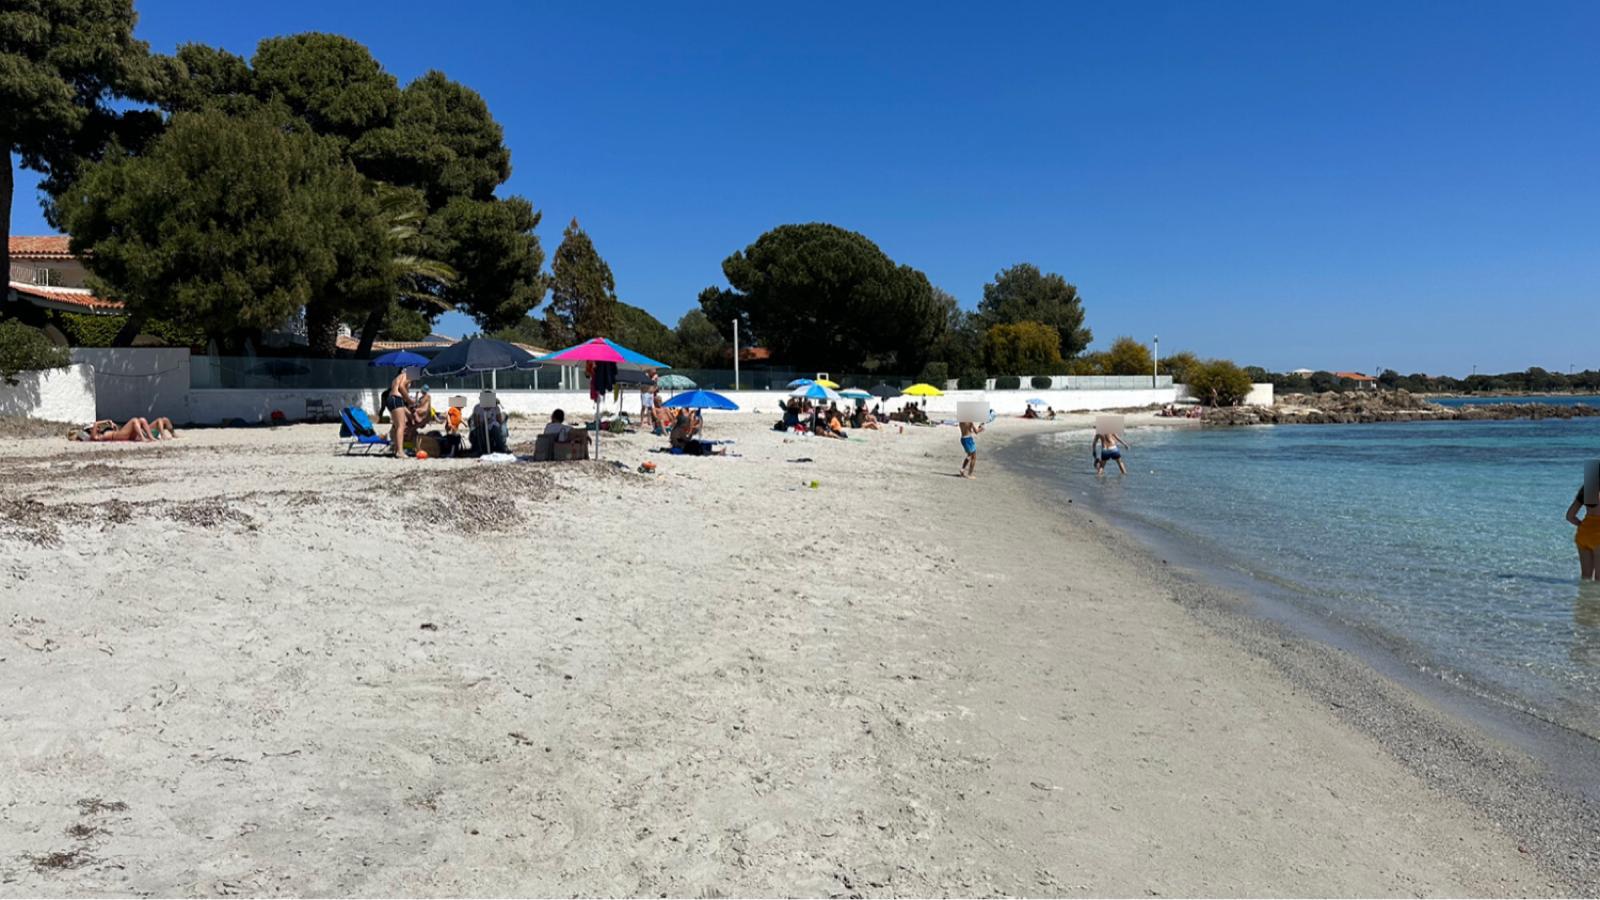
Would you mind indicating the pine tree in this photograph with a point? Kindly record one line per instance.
(583, 295)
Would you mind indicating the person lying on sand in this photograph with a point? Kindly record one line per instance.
(161, 428)
(104, 430)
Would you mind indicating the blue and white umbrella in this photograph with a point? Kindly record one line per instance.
(800, 382)
(1035, 401)
(814, 391)
(856, 394)
(700, 400)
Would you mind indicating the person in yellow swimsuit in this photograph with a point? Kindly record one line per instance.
(1588, 536)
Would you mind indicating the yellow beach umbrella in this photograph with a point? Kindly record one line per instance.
(827, 384)
(923, 390)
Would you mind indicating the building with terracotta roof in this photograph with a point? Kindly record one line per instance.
(46, 276)
(1364, 381)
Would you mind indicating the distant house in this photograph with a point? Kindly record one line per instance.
(350, 342)
(46, 279)
(1305, 372)
(1362, 381)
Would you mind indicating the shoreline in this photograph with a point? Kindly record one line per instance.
(1520, 768)
(713, 679)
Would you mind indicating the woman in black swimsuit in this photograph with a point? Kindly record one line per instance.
(398, 403)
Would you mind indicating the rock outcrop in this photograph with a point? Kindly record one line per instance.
(1380, 406)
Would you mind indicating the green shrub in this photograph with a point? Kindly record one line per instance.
(1218, 382)
(1007, 383)
(970, 382)
(25, 349)
(89, 331)
(935, 373)
(1041, 382)
(101, 331)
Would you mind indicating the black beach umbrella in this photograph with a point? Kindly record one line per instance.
(478, 355)
(883, 391)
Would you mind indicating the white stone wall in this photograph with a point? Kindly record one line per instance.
(155, 382)
(59, 395)
(139, 381)
(1006, 403)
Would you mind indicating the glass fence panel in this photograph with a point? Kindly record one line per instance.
(283, 373)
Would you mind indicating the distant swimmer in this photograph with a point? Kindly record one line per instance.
(1107, 447)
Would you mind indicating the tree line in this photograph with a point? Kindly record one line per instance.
(1534, 380)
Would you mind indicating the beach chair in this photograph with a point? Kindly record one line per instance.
(356, 428)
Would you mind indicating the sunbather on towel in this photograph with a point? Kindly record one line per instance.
(104, 430)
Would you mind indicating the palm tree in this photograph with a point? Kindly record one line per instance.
(417, 277)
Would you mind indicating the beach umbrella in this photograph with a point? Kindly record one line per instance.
(814, 391)
(828, 384)
(800, 382)
(884, 391)
(1035, 401)
(923, 390)
(477, 355)
(600, 350)
(701, 400)
(676, 383)
(856, 394)
(399, 359)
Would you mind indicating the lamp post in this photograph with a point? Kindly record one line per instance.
(1155, 360)
(736, 354)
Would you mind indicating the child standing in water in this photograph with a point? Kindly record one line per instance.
(969, 443)
(1104, 447)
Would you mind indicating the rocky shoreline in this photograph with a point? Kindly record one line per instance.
(1381, 406)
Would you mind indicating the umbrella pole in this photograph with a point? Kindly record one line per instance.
(598, 428)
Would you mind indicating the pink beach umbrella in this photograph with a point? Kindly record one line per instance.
(600, 350)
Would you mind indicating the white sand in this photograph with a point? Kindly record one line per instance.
(711, 681)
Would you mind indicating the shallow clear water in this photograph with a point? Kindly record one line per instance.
(1450, 536)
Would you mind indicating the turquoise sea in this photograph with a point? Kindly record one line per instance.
(1446, 539)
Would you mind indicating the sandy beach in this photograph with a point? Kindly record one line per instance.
(239, 663)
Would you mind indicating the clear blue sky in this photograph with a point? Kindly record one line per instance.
(1329, 184)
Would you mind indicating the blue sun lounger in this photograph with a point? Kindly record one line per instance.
(357, 429)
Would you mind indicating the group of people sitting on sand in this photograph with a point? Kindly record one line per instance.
(1172, 411)
(911, 414)
(486, 429)
(1031, 413)
(804, 417)
(136, 430)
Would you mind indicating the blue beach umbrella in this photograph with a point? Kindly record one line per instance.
(701, 400)
(399, 359)
(800, 382)
(1035, 401)
(814, 391)
(856, 394)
